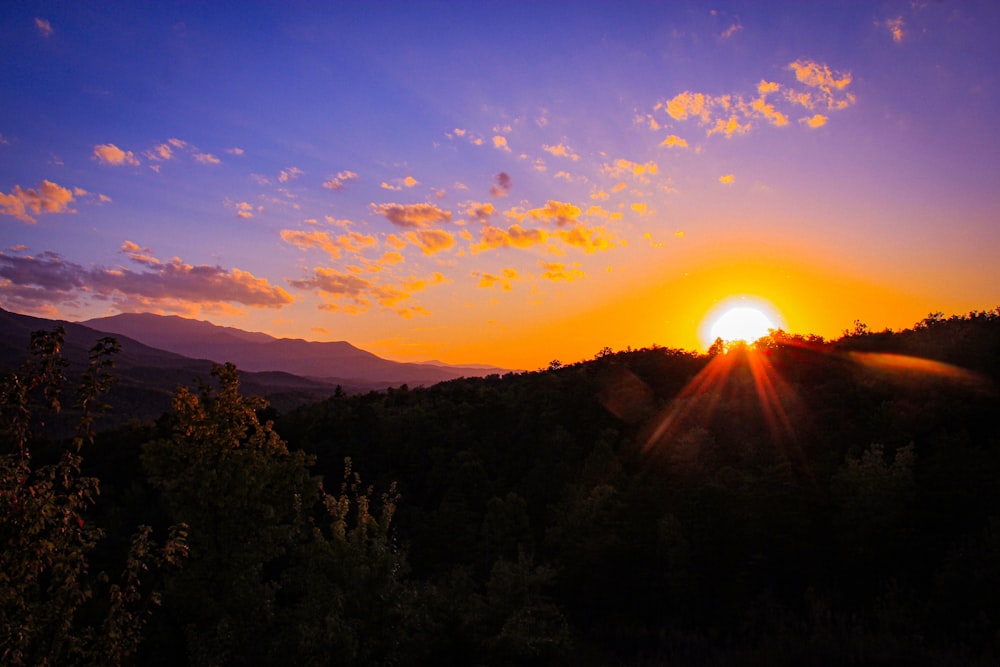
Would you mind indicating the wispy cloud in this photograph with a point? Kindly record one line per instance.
(44, 27)
(112, 155)
(337, 182)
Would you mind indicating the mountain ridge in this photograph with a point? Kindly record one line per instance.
(255, 351)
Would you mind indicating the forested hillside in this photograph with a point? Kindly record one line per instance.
(798, 501)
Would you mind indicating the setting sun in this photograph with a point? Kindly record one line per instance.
(739, 319)
(741, 324)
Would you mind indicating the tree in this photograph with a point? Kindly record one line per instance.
(232, 480)
(53, 609)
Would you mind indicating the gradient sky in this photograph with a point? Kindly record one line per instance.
(500, 183)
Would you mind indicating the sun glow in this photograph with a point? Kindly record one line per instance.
(739, 320)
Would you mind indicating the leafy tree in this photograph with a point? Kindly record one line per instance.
(232, 480)
(53, 609)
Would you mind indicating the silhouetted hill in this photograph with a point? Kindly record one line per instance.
(147, 376)
(337, 362)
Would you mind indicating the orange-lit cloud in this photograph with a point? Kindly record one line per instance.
(561, 150)
(731, 30)
(895, 27)
(727, 179)
(479, 211)
(638, 170)
(337, 287)
(160, 152)
(500, 142)
(503, 281)
(828, 87)
(244, 210)
(556, 272)
(206, 158)
(589, 240)
(112, 155)
(814, 121)
(559, 213)
(47, 198)
(514, 236)
(412, 216)
(351, 242)
(48, 278)
(338, 181)
(431, 241)
(289, 174)
(673, 141)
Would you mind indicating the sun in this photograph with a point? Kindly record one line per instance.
(739, 320)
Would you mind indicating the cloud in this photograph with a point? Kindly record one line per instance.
(561, 150)
(557, 272)
(351, 242)
(409, 181)
(431, 241)
(829, 87)
(673, 141)
(895, 27)
(412, 216)
(44, 27)
(514, 236)
(503, 185)
(479, 211)
(817, 120)
(589, 240)
(235, 150)
(638, 170)
(500, 142)
(818, 87)
(244, 210)
(55, 280)
(289, 174)
(727, 179)
(387, 186)
(554, 212)
(207, 158)
(47, 198)
(112, 155)
(337, 182)
(337, 287)
(161, 152)
(503, 281)
(731, 30)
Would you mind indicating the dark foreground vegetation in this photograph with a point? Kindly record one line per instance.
(796, 502)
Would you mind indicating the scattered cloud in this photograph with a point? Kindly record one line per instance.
(244, 210)
(289, 174)
(337, 182)
(557, 272)
(206, 158)
(731, 30)
(514, 236)
(814, 121)
(639, 171)
(409, 181)
(673, 141)
(431, 241)
(352, 294)
(502, 186)
(896, 28)
(48, 197)
(413, 216)
(235, 150)
(500, 142)
(727, 179)
(44, 27)
(561, 150)
(817, 87)
(554, 212)
(160, 152)
(334, 246)
(503, 281)
(112, 155)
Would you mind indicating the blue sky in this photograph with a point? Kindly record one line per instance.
(499, 183)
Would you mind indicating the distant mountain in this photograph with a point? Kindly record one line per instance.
(147, 376)
(338, 362)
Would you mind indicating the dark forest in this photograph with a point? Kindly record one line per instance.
(793, 501)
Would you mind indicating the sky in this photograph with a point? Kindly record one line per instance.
(503, 184)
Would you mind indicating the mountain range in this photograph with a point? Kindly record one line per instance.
(160, 353)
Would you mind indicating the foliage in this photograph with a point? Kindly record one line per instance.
(53, 609)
